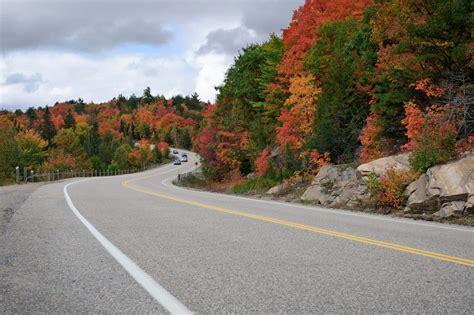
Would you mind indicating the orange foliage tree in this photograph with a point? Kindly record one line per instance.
(301, 34)
(298, 117)
(370, 139)
(262, 163)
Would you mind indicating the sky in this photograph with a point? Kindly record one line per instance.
(58, 50)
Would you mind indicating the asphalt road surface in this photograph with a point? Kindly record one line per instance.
(136, 243)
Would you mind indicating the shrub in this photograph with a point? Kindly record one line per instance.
(431, 135)
(262, 162)
(428, 155)
(374, 185)
(392, 187)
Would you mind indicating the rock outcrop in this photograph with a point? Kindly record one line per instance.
(380, 166)
(446, 189)
(452, 208)
(278, 189)
(443, 191)
(335, 186)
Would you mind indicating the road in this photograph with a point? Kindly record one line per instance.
(137, 243)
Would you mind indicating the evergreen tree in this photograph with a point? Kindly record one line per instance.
(341, 107)
(187, 142)
(147, 97)
(79, 106)
(132, 102)
(92, 141)
(8, 154)
(69, 121)
(31, 114)
(48, 130)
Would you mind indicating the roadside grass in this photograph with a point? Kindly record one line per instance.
(254, 185)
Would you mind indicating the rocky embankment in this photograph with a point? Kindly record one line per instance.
(444, 192)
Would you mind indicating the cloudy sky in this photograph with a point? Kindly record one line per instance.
(57, 50)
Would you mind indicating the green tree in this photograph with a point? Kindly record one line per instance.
(8, 154)
(187, 142)
(132, 102)
(156, 156)
(31, 149)
(121, 156)
(69, 121)
(147, 97)
(91, 140)
(96, 163)
(143, 131)
(107, 148)
(47, 127)
(80, 106)
(68, 141)
(31, 114)
(341, 106)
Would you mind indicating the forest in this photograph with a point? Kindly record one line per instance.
(348, 81)
(123, 133)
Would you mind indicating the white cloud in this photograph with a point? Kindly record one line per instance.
(56, 50)
(70, 76)
(211, 68)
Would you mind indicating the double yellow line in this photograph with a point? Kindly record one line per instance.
(411, 250)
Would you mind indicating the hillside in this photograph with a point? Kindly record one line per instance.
(120, 134)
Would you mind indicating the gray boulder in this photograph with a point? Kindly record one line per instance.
(380, 166)
(335, 186)
(452, 208)
(278, 189)
(441, 184)
(469, 207)
(419, 198)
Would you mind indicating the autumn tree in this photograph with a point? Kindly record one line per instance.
(31, 149)
(68, 141)
(298, 116)
(301, 34)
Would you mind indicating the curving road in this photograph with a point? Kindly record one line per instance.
(137, 243)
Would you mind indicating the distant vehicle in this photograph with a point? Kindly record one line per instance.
(177, 162)
(175, 152)
(184, 157)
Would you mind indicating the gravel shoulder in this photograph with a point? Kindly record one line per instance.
(11, 199)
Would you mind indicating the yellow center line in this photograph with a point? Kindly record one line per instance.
(402, 248)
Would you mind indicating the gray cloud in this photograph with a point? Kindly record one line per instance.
(104, 24)
(30, 83)
(271, 17)
(84, 26)
(89, 38)
(226, 41)
(258, 20)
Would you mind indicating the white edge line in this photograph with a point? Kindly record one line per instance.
(168, 301)
(315, 208)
